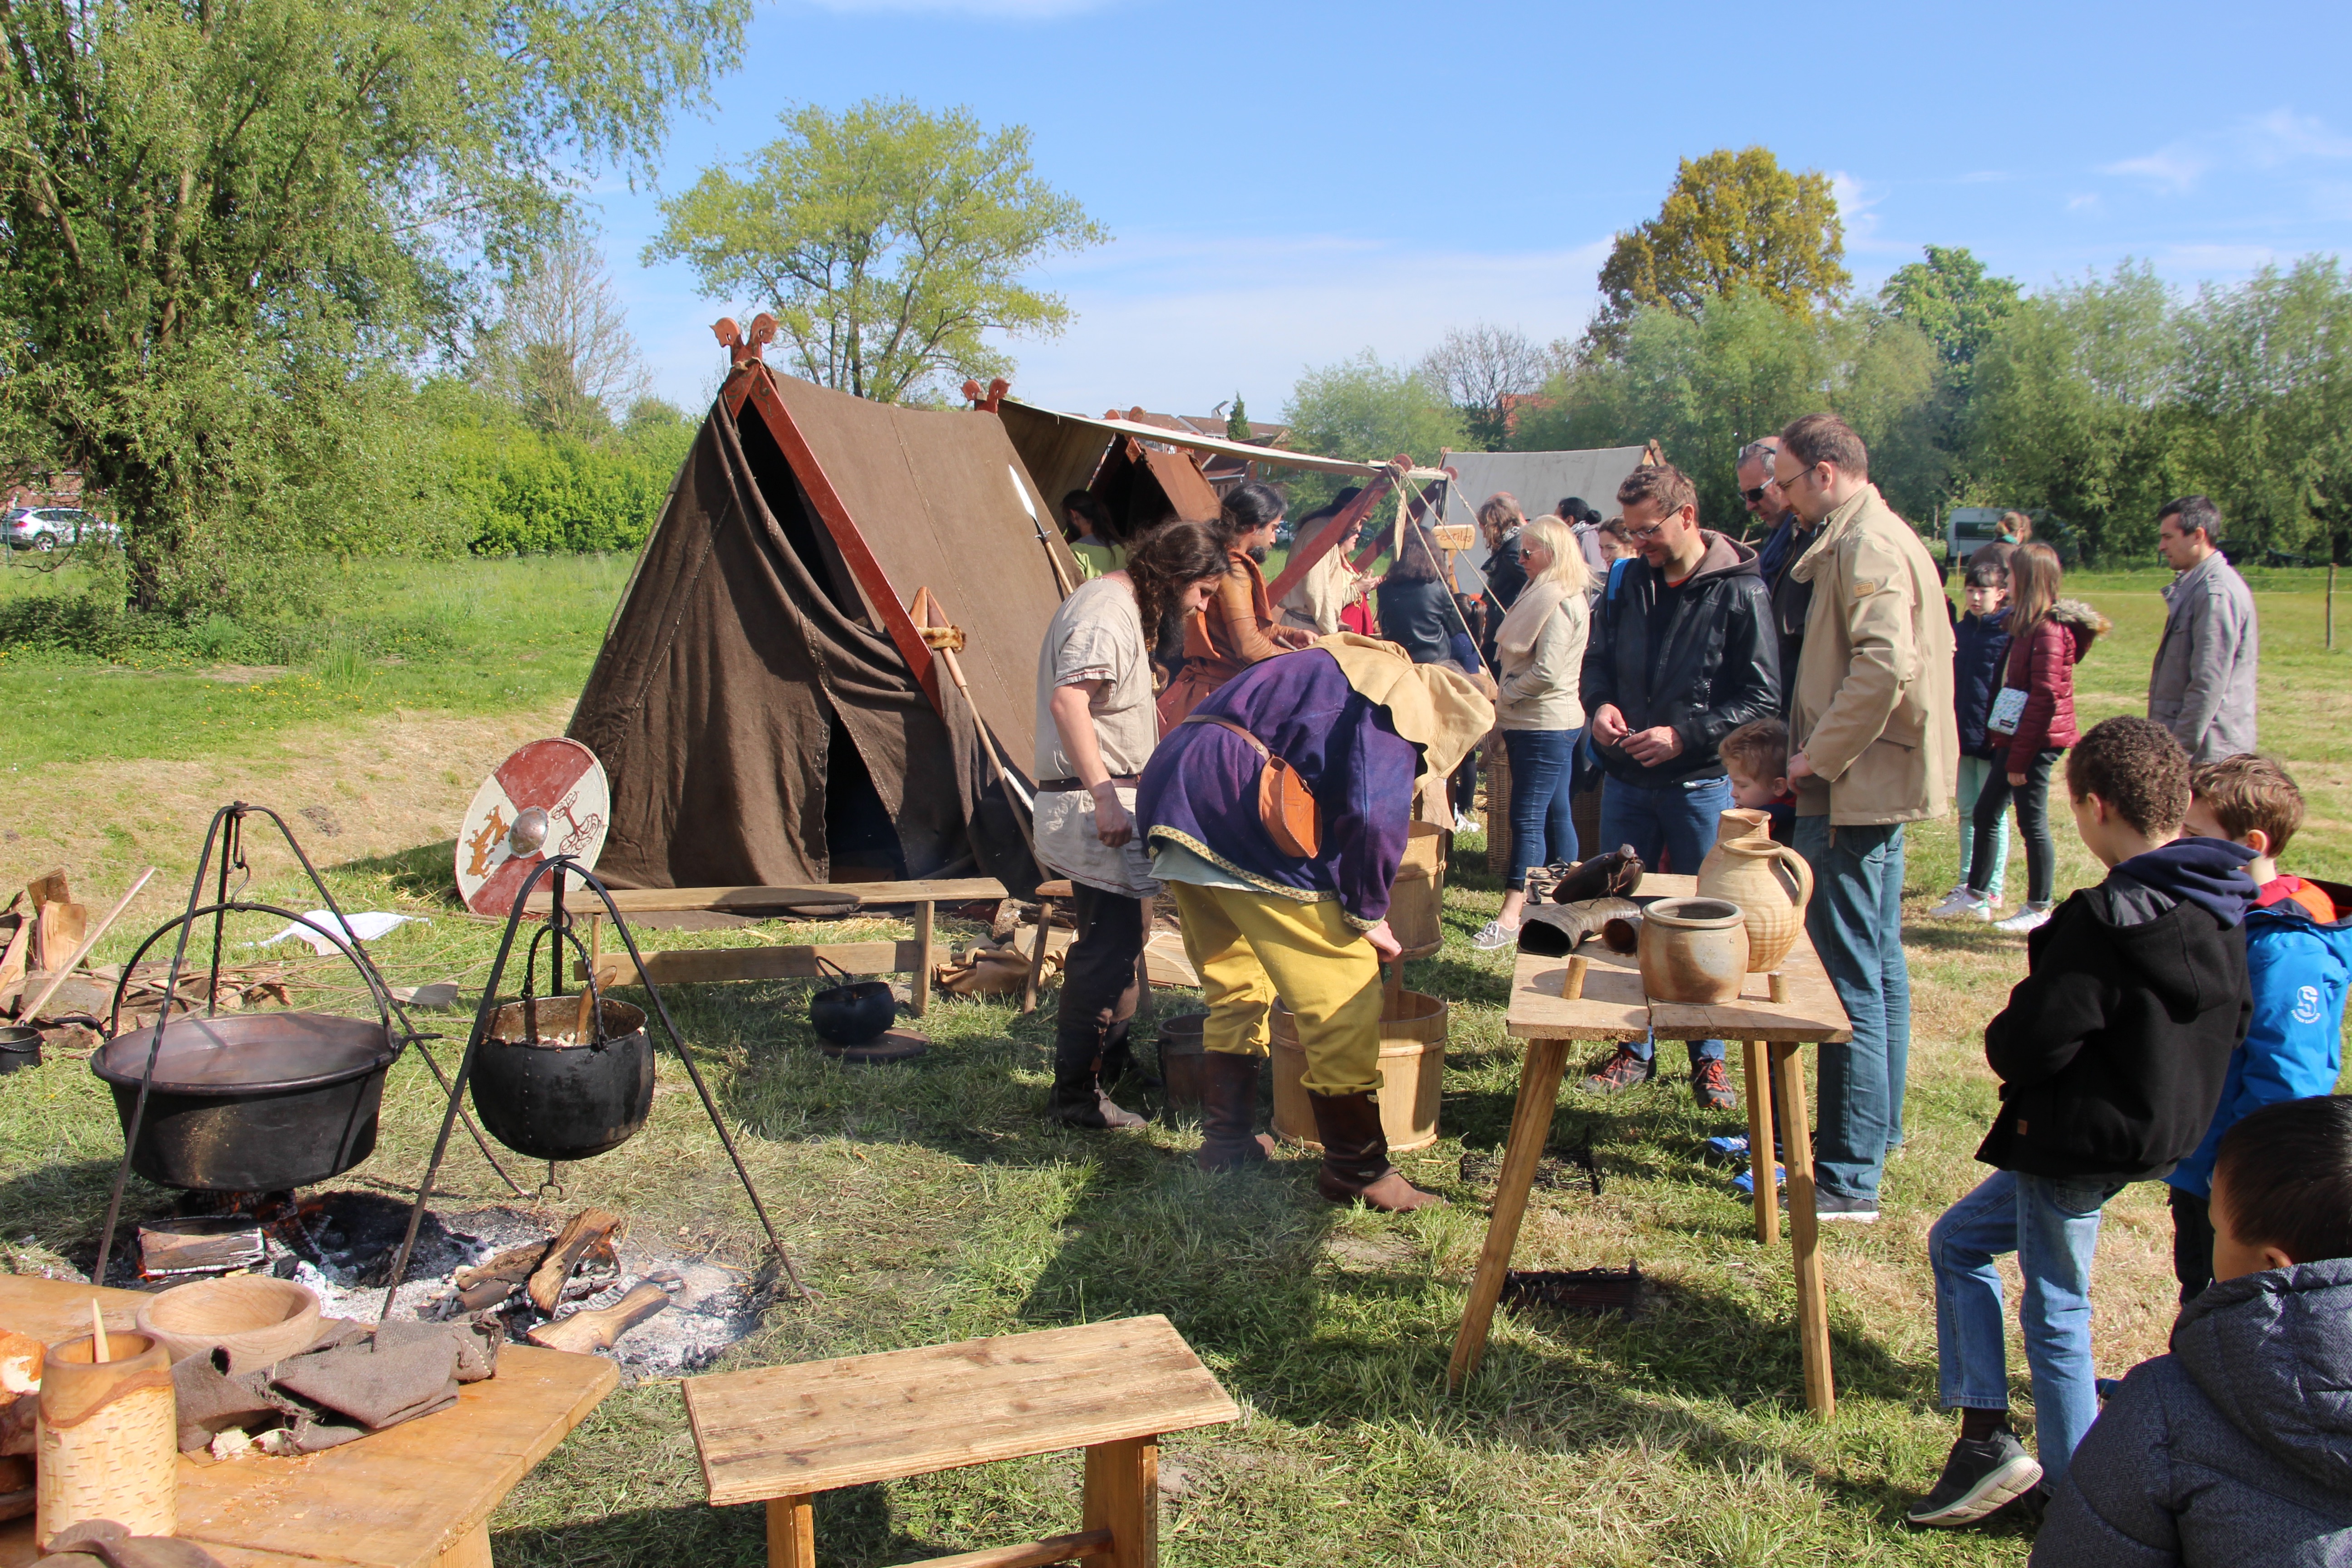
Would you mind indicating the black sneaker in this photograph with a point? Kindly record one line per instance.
(1622, 1071)
(1978, 1479)
(1828, 1206)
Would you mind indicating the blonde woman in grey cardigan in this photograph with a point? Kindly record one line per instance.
(1539, 649)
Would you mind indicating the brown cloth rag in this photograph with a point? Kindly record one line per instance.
(351, 1382)
(101, 1540)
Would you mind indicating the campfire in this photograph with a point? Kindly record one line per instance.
(585, 1285)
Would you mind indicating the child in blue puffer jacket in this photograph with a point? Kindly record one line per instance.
(2298, 960)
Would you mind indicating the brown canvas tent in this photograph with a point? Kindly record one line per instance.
(766, 708)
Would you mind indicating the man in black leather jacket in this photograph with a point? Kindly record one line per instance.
(1682, 652)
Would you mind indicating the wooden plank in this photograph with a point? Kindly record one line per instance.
(919, 997)
(1054, 1549)
(404, 1498)
(701, 965)
(1539, 1076)
(1611, 1007)
(944, 890)
(792, 1532)
(1804, 1231)
(707, 900)
(473, 1551)
(1122, 1496)
(780, 1430)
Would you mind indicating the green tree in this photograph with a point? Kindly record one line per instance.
(227, 225)
(2075, 408)
(1952, 298)
(1359, 407)
(1704, 384)
(561, 350)
(1731, 221)
(887, 241)
(1237, 425)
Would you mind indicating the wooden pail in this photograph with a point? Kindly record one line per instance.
(1418, 894)
(1412, 1074)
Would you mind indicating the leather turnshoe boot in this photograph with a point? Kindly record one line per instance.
(1228, 1108)
(1076, 1098)
(1356, 1166)
(1613, 875)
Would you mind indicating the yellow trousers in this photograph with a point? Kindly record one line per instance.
(1251, 947)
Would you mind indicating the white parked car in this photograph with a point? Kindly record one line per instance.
(45, 528)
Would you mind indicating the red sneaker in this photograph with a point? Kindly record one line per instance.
(1711, 1086)
(1623, 1070)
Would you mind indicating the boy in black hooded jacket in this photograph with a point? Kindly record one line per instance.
(2111, 1055)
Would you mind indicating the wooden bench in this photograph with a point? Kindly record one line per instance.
(776, 961)
(780, 1435)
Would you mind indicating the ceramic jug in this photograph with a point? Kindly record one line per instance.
(1769, 882)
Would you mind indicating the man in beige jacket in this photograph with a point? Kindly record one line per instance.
(1871, 714)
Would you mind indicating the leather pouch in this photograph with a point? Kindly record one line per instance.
(1286, 806)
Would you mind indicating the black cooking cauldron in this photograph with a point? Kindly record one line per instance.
(255, 1102)
(556, 1101)
(851, 1014)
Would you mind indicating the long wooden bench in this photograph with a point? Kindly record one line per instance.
(780, 1435)
(777, 961)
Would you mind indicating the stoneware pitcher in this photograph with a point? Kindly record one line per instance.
(1769, 882)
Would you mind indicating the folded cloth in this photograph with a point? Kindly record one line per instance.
(320, 929)
(101, 1540)
(351, 1382)
(374, 1385)
(477, 1339)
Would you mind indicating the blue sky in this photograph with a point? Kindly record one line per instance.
(1288, 184)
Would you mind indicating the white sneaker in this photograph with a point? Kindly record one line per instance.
(1465, 823)
(1492, 935)
(2031, 917)
(1961, 904)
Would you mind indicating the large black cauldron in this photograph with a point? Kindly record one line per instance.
(256, 1103)
(557, 1102)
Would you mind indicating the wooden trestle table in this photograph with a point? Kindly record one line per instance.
(417, 1494)
(1774, 1016)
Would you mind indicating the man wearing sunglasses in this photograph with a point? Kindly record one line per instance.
(1680, 654)
(1786, 539)
(1869, 711)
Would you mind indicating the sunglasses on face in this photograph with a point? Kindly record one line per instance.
(1756, 496)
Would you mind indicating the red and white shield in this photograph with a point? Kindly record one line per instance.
(560, 776)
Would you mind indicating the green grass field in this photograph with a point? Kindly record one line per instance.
(929, 1202)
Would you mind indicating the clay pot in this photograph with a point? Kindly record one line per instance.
(1769, 882)
(1693, 949)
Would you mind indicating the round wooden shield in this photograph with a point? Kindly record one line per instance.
(562, 777)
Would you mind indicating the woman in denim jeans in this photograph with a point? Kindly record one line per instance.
(1540, 649)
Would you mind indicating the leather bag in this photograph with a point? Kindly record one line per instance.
(1286, 806)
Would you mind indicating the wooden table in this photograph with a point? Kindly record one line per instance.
(1773, 1017)
(775, 961)
(780, 1435)
(417, 1494)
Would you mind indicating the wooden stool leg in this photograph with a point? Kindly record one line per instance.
(1759, 1142)
(1539, 1076)
(1037, 957)
(1122, 1496)
(792, 1532)
(1804, 1231)
(918, 995)
(472, 1549)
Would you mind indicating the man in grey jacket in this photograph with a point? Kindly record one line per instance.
(2203, 686)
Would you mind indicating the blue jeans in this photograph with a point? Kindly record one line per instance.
(1856, 922)
(1672, 826)
(1974, 772)
(1543, 830)
(2054, 1227)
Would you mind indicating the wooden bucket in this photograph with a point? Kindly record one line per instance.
(1412, 1074)
(1182, 1068)
(1418, 894)
(108, 1438)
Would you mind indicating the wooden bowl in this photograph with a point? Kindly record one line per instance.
(254, 1318)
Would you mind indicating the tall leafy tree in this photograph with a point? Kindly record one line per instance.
(890, 243)
(1731, 221)
(560, 351)
(1237, 423)
(1952, 298)
(1361, 407)
(221, 224)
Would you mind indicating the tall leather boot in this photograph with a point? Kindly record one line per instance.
(1077, 1099)
(1356, 1166)
(1228, 1108)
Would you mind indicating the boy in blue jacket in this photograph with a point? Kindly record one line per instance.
(2298, 959)
(1979, 650)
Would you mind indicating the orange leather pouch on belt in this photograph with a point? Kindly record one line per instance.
(1286, 806)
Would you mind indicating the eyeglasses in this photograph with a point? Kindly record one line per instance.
(1641, 535)
(1756, 496)
(1786, 484)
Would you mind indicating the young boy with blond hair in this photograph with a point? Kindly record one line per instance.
(2298, 959)
(1755, 760)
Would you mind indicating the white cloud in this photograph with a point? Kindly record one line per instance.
(2283, 136)
(1855, 204)
(2276, 140)
(2174, 170)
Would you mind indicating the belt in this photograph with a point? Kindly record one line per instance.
(1072, 786)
